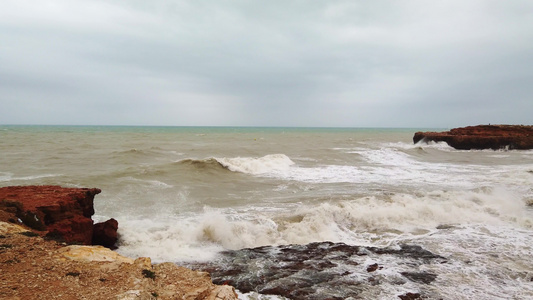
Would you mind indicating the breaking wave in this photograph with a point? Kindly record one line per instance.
(247, 165)
(250, 165)
(369, 221)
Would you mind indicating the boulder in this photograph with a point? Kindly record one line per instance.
(494, 137)
(105, 233)
(60, 213)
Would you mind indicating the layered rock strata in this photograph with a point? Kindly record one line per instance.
(57, 212)
(495, 137)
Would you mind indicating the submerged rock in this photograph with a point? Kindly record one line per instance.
(482, 137)
(410, 296)
(322, 270)
(422, 277)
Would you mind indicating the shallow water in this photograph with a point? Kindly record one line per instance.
(185, 194)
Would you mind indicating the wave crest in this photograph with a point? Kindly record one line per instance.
(203, 164)
(256, 166)
(248, 165)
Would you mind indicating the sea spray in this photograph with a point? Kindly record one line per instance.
(365, 221)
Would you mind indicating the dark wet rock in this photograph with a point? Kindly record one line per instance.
(410, 296)
(446, 226)
(322, 270)
(422, 277)
(372, 268)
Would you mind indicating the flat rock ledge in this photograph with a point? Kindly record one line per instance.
(519, 137)
(35, 268)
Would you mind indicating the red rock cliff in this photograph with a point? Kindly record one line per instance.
(64, 213)
(482, 137)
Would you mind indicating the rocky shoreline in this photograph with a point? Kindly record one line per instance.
(37, 224)
(50, 249)
(326, 270)
(519, 137)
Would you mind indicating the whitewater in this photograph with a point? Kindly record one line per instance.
(189, 194)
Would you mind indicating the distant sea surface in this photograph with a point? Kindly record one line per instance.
(185, 194)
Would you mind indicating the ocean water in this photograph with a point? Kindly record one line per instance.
(185, 194)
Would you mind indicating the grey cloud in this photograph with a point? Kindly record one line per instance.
(278, 63)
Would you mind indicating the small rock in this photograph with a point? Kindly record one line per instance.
(372, 268)
(410, 296)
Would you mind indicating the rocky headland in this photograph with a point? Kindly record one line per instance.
(46, 234)
(519, 137)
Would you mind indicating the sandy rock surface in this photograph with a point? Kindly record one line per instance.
(34, 268)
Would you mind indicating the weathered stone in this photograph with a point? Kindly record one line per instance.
(64, 213)
(92, 253)
(105, 233)
(482, 137)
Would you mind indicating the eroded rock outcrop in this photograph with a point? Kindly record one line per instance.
(482, 137)
(60, 213)
(34, 268)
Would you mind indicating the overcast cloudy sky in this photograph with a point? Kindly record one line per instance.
(266, 63)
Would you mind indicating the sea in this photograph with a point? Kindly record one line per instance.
(189, 195)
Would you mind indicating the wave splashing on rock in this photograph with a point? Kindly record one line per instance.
(324, 270)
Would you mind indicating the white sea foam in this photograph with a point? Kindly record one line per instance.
(257, 296)
(442, 146)
(5, 176)
(370, 221)
(145, 182)
(164, 240)
(485, 262)
(253, 165)
(10, 177)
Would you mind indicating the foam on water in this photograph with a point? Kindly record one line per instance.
(144, 182)
(9, 177)
(167, 240)
(5, 176)
(252, 165)
(370, 221)
(387, 167)
(485, 262)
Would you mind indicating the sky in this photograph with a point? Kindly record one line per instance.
(267, 63)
